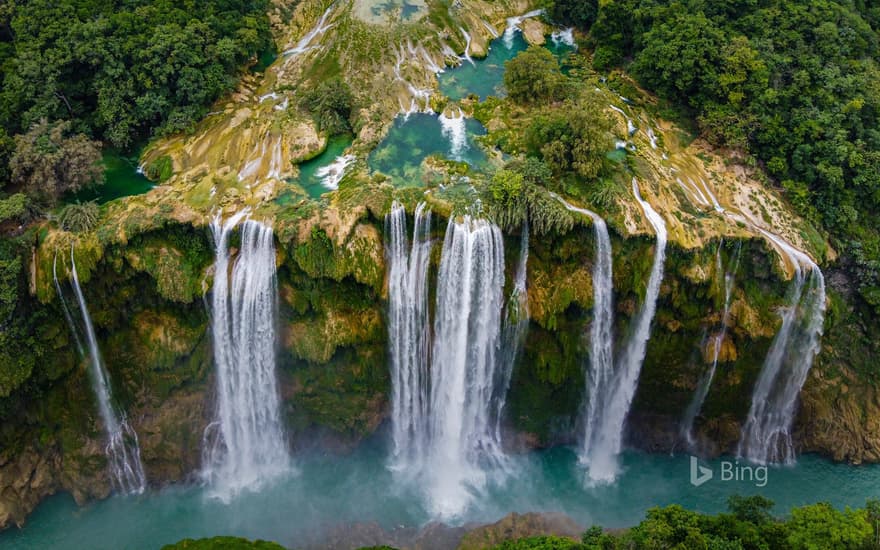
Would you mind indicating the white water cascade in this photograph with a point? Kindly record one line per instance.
(408, 334)
(466, 56)
(563, 37)
(454, 128)
(513, 26)
(514, 327)
(767, 433)
(696, 404)
(600, 374)
(245, 445)
(464, 370)
(333, 173)
(607, 434)
(122, 450)
(320, 28)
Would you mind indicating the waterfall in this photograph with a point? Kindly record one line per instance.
(333, 173)
(514, 328)
(122, 450)
(320, 28)
(67, 315)
(408, 333)
(600, 374)
(696, 404)
(607, 436)
(767, 432)
(454, 129)
(467, 47)
(245, 445)
(464, 370)
(513, 24)
(563, 37)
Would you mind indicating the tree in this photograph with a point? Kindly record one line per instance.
(753, 509)
(573, 138)
(579, 13)
(49, 162)
(331, 105)
(534, 76)
(821, 527)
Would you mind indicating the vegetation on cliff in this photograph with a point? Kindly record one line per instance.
(794, 83)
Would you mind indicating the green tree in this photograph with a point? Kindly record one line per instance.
(540, 543)
(572, 138)
(331, 104)
(578, 13)
(49, 162)
(534, 76)
(821, 527)
(753, 509)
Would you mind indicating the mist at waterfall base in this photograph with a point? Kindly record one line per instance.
(333, 492)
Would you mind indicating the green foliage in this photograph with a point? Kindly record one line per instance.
(79, 217)
(794, 83)
(517, 194)
(160, 169)
(573, 137)
(120, 69)
(595, 538)
(49, 162)
(14, 207)
(540, 543)
(578, 13)
(17, 346)
(821, 527)
(223, 543)
(330, 103)
(534, 76)
(754, 509)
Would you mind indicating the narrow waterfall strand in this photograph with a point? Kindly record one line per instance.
(122, 449)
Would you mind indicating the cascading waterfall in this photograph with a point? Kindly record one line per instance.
(563, 37)
(600, 374)
(122, 450)
(333, 173)
(67, 315)
(514, 328)
(607, 435)
(464, 371)
(245, 445)
(767, 433)
(467, 47)
(408, 334)
(454, 128)
(513, 26)
(696, 404)
(320, 28)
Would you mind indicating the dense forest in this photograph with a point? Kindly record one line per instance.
(77, 76)
(795, 84)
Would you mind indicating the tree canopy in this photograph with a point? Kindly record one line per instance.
(796, 84)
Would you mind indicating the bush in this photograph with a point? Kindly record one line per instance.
(79, 218)
(330, 103)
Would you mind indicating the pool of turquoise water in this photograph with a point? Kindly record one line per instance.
(415, 137)
(121, 179)
(329, 491)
